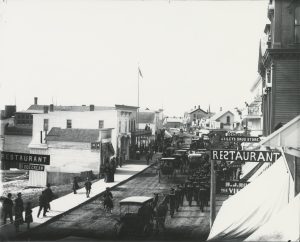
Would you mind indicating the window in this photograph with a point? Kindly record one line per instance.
(101, 124)
(125, 126)
(129, 124)
(69, 123)
(46, 124)
(297, 24)
(120, 124)
(228, 119)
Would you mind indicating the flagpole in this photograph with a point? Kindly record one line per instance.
(138, 101)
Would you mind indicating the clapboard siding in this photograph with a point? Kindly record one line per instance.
(73, 157)
(287, 91)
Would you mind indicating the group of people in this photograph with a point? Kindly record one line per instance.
(19, 208)
(7, 211)
(87, 185)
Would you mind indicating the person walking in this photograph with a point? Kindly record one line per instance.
(7, 208)
(49, 196)
(161, 213)
(177, 198)
(19, 208)
(108, 200)
(189, 194)
(172, 201)
(28, 215)
(43, 204)
(147, 157)
(88, 187)
(75, 185)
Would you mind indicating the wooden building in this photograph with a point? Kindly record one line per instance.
(279, 65)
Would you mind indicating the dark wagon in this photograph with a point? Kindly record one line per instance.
(135, 217)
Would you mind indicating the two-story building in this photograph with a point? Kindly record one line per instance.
(222, 120)
(252, 114)
(280, 65)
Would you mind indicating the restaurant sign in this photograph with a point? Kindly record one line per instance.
(232, 187)
(25, 158)
(33, 167)
(248, 139)
(244, 155)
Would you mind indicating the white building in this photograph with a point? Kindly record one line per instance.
(153, 119)
(79, 138)
(222, 120)
(252, 115)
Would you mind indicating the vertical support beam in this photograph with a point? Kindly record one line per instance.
(297, 175)
(212, 191)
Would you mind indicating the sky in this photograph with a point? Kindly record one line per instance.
(75, 52)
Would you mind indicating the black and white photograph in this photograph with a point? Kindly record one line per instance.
(150, 120)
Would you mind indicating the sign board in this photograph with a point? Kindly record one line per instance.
(248, 139)
(232, 187)
(95, 145)
(33, 167)
(244, 155)
(25, 158)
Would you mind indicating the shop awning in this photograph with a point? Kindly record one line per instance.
(254, 205)
(288, 137)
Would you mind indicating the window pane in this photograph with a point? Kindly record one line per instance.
(101, 124)
(69, 123)
(297, 15)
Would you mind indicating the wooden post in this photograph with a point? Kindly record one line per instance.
(212, 192)
(297, 175)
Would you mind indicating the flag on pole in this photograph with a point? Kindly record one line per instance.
(140, 73)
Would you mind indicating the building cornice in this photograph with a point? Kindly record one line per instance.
(291, 53)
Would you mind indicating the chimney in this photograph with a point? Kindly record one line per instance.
(35, 100)
(45, 109)
(199, 106)
(51, 107)
(220, 109)
(92, 107)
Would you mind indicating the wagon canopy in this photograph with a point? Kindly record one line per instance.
(136, 200)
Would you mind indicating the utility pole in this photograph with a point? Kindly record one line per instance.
(212, 191)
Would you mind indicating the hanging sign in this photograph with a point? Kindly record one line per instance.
(244, 155)
(25, 158)
(232, 187)
(248, 139)
(32, 167)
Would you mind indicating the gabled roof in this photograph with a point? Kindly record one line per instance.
(73, 135)
(197, 109)
(146, 117)
(220, 114)
(70, 108)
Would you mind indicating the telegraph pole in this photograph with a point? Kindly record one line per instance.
(212, 191)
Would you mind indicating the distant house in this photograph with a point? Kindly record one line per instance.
(173, 122)
(153, 119)
(196, 117)
(222, 120)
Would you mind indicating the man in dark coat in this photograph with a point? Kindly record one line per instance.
(42, 204)
(177, 197)
(108, 200)
(75, 185)
(172, 202)
(161, 213)
(19, 208)
(88, 187)
(189, 194)
(48, 195)
(7, 208)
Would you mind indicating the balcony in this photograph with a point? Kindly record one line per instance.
(141, 132)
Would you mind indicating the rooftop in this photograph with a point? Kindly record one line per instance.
(220, 114)
(73, 135)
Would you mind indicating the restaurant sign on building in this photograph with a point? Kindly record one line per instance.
(25, 158)
(244, 155)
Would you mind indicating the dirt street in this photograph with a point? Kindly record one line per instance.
(90, 220)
